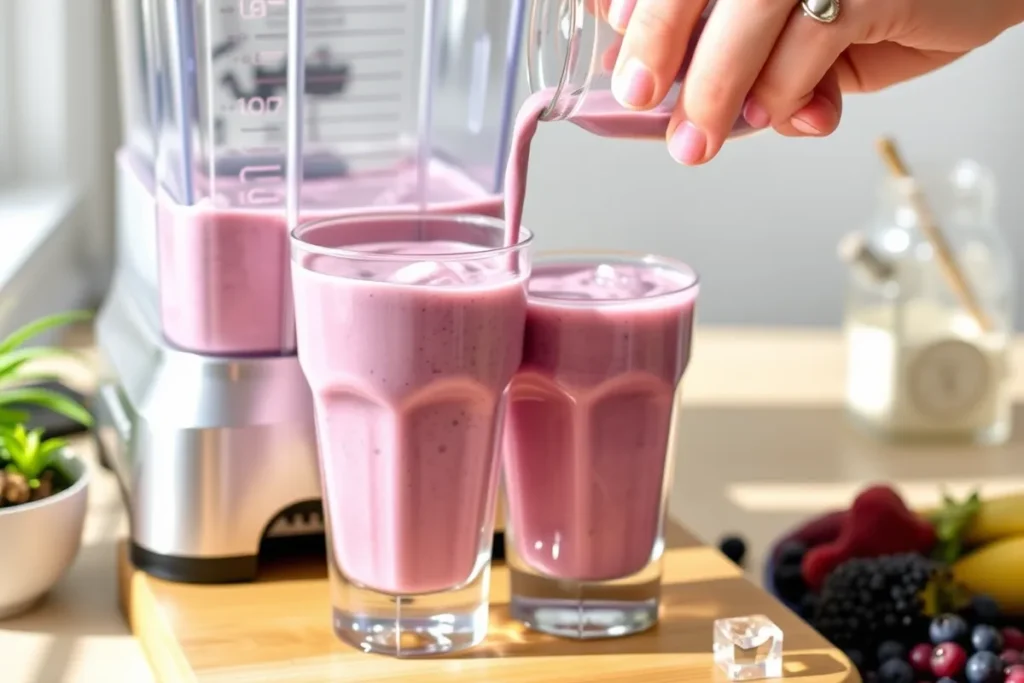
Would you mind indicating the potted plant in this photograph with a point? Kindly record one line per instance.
(43, 486)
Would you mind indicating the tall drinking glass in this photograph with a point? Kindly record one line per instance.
(587, 461)
(409, 330)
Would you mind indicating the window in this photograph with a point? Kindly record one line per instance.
(58, 130)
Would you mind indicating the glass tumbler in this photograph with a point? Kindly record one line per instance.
(409, 329)
(587, 466)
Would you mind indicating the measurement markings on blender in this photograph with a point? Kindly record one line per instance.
(373, 44)
(358, 78)
(262, 106)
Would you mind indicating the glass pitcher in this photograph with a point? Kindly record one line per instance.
(571, 53)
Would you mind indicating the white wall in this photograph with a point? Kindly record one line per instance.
(761, 222)
(57, 135)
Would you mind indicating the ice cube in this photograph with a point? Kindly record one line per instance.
(618, 282)
(426, 273)
(605, 275)
(479, 271)
(748, 647)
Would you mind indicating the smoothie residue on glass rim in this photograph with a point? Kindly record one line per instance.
(430, 268)
(605, 282)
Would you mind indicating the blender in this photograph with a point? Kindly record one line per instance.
(202, 410)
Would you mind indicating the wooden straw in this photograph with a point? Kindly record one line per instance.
(947, 261)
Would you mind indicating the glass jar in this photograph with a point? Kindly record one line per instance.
(921, 364)
(571, 53)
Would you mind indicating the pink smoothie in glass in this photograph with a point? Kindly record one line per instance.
(409, 362)
(586, 442)
(222, 267)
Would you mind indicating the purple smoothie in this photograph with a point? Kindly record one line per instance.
(408, 349)
(586, 442)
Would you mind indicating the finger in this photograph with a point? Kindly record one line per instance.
(653, 48)
(610, 55)
(821, 115)
(802, 57)
(599, 8)
(619, 12)
(735, 43)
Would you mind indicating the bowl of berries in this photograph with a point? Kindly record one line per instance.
(912, 595)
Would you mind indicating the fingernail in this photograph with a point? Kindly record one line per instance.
(804, 126)
(756, 115)
(817, 117)
(688, 144)
(619, 12)
(633, 85)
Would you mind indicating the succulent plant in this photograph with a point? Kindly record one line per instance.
(28, 467)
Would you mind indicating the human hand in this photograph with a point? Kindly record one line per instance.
(766, 61)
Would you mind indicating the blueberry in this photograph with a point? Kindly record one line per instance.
(856, 658)
(890, 649)
(985, 608)
(947, 628)
(792, 552)
(946, 679)
(984, 667)
(896, 671)
(808, 606)
(987, 638)
(789, 583)
(733, 547)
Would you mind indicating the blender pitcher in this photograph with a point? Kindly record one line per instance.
(404, 102)
(136, 247)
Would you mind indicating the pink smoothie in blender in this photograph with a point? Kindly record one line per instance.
(587, 458)
(392, 114)
(223, 263)
(409, 331)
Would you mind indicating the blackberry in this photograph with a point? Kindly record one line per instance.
(733, 547)
(866, 601)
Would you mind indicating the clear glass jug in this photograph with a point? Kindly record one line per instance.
(136, 246)
(135, 51)
(921, 363)
(571, 55)
(406, 102)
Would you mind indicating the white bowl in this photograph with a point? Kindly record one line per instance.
(39, 541)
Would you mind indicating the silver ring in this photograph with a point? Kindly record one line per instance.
(824, 11)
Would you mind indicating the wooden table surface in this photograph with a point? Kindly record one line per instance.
(278, 630)
(762, 443)
(763, 440)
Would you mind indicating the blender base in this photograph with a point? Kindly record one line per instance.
(238, 569)
(216, 457)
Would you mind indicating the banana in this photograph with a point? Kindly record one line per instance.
(996, 518)
(995, 570)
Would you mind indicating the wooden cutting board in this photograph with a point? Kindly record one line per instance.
(277, 630)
